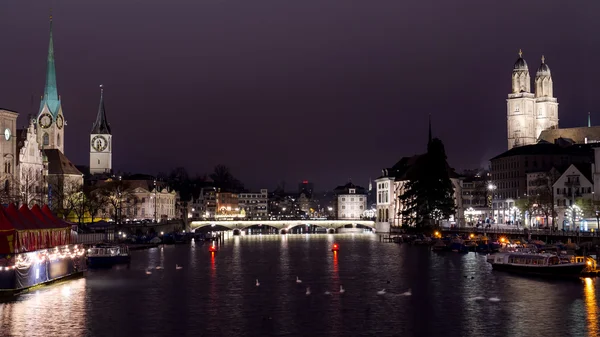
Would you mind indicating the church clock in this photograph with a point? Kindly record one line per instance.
(99, 143)
(60, 121)
(45, 121)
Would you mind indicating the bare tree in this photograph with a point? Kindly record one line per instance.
(118, 193)
(30, 187)
(63, 195)
(95, 202)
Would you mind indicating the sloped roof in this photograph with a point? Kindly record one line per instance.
(407, 167)
(545, 149)
(344, 189)
(586, 171)
(59, 164)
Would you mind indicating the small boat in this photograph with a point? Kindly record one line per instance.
(440, 246)
(536, 264)
(107, 256)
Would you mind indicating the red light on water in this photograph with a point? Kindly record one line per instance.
(335, 247)
(212, 249)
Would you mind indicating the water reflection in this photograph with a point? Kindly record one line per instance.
(55, 310)
(589, 293)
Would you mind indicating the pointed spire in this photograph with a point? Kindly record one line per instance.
(50, 98)
(101, 125)
(589, 120)
(543, 59)
(429, 139)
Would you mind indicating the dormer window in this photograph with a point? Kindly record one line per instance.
(352, 191)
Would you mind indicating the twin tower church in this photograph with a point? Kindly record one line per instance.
(529, 114)
(34, 157)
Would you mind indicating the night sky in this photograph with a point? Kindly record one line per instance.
(324, 90)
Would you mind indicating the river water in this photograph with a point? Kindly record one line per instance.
(427, 294)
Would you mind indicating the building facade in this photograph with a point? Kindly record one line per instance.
(8, 122)
(255, 205)
(351, 201)
(509, 171)
(32, 167)
(528, 114)
(575, 185)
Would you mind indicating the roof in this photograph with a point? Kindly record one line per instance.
(59, 164)
(586, 171)
(543, 148)
(101, 125)
(407, 167)
(578, 135)
(345, 189)
(543, 70)
(51, 98)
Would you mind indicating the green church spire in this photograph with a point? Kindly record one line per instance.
(51, 98)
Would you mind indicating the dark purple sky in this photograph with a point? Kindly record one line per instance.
(323, 90)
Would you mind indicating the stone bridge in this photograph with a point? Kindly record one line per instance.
(283, 226)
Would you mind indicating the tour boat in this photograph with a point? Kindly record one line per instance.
(536, 264)
(107, 256)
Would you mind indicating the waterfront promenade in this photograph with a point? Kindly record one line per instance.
(542, 234)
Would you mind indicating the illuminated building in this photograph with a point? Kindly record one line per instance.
(351, 201)
(254, 204)
(528, 114)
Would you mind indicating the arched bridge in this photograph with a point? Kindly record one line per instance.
(282, 225)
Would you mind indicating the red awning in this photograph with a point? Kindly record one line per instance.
(14, 214)
(59, 223)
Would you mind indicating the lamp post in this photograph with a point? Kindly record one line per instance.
(155, 220)
(491, 188)
(597, 221)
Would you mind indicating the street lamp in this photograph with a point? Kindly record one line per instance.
(491, 188)
(597, 222)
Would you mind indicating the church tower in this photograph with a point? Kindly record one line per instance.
(101, 142)
(50, 120)
(546, 106)
(521, 121)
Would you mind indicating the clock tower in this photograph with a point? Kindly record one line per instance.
(101, 142)
(50, 119)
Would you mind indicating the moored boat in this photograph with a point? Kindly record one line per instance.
(107, 256)
(536, 264)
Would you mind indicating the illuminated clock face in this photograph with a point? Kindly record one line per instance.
(45, 121)
(7, 133)
(60, 121)
(99, 143)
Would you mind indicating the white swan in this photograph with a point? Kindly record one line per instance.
(342, 290)
(298, 280)
(177, 267)
(159, 267)
(148, 272)
(327, 293)
(307, 290)
(408, 293)
(381, 292)
(257, 283)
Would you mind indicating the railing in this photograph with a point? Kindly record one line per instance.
(91, 238)
(533, 231)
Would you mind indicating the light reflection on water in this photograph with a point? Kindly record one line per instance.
(216, 294)
(592, 307)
